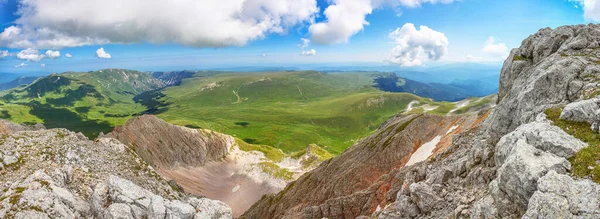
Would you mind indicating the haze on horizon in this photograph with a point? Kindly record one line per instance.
(43, 37)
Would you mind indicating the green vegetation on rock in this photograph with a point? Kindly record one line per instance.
(276, 171)
(585, 163)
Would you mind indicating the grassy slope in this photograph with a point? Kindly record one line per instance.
(89, 102)
(288, 110)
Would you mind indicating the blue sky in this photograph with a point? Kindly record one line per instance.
(457, 31)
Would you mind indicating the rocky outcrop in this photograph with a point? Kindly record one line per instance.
(523, 157)
(552, 66)
(560, 196)
(582, 111)
(61, 174)
(366, 176)
(514, 164)
(168, 146)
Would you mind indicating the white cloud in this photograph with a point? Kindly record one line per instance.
(311, 52)
(68, 55)
(304, 44)
(30, 54)
(100, 53)
(52, 54)
(344, 19)
(591, 9)
(263, 55)
(21, 65)
(43, 65)
(3, 53)
(414, 47)
(417, 3)
(495, 50)
(68, 23)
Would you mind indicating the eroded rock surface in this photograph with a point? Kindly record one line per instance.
(61, 174)
(552, 66)
(165, 145)
(366, 176)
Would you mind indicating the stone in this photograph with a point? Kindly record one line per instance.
(207, 208)
(157, 207)
(582, 111)
(424, 197)
(31, 214)
(541, 135)
(10, 159)
(547, 73)
(484, 208)
(181, 210)
(525, 164)
(119, 211)
(594, 127)
(560, 196)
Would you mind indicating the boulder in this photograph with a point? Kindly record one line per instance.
(424, 197)
(119, 211)
(541, 135)
(208, 208)
(560, 196)
(525, 164)
(582, 111)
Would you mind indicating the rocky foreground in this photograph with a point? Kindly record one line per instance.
(517, 163)
(57, 173)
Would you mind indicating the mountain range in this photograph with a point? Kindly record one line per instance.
(118, 143)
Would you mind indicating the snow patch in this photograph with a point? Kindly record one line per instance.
(236, 188)
(424, 151)
(451, 129)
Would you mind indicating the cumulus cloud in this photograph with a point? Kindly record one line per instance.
(43, 65)
(52, 54)
(344, 19)
(21, 65)
(495, 50)
(304, 43)
(68, 55)
(3, 53)
(304, 46)
(100, 53)
(68, 23)
(30, 54)
(591, 9)
(414, 47)
(311, 52)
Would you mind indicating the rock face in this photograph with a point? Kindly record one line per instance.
(582, 111)
(551, 67)
(560, 196)
(169, 146)
(362, 179)
(523, 157)
(515, 164)
(61, 174)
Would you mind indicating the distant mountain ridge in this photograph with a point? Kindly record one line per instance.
(22, 80)
(437, 91)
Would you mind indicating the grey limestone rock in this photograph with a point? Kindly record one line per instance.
(582, 111)
(560, 196)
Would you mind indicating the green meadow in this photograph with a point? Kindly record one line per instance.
(284, 110)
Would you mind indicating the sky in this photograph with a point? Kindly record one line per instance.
(51, 36)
